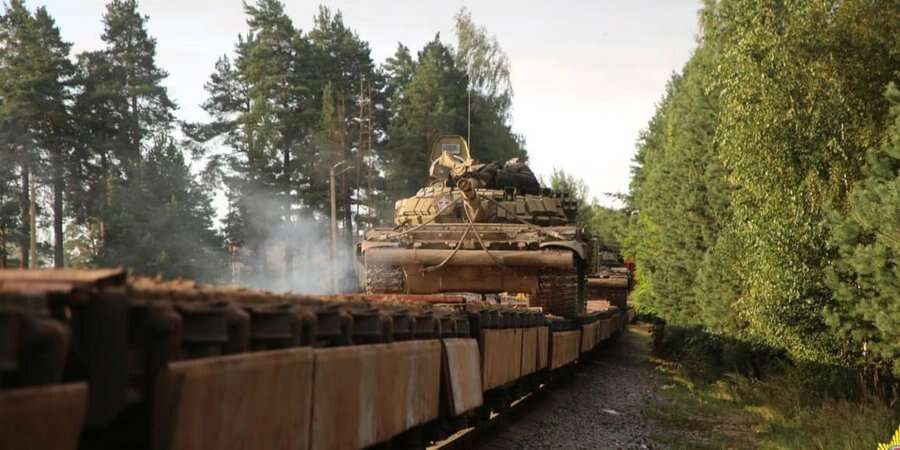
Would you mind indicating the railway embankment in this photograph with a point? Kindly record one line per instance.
(629, 397)
(603, 405)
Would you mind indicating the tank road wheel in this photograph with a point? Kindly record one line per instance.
(383, 279)
(558, 292)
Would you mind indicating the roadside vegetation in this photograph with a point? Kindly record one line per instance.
(765, 230)
(717, 394)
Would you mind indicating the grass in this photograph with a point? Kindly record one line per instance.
(778, 412)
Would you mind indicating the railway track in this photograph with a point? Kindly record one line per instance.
(97, 360)
(477, 437)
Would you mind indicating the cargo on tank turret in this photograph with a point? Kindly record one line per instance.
(483, 228)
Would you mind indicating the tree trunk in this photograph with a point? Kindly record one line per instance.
(32, 229)
(286, 169)
(3, 257)
(58, 187)
(24, 207)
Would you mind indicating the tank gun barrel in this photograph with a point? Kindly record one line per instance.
(467, 186)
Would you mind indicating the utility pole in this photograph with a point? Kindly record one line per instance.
(359, 149)
(370, 160)
(331, 181)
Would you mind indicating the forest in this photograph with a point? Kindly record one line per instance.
(765, 196)
(97, 169)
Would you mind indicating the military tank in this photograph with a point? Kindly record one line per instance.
(481, 228)
(610, 277)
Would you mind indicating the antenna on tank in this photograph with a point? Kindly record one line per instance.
(469, 117)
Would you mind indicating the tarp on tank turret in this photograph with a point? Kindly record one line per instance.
(512, 174)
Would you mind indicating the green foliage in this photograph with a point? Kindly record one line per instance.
(141, 105)
(97, 133)
(576, 189)
(287, 106)
(9, 211)
(464, 91)
(488, 69)
(34, 121)
(679, 189)
(171, 233)
(755, 160)
(798, 111)
(608, 225)
(737, 411)
(431, 104)
(866, 274)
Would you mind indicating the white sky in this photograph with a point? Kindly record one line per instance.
(586, 73)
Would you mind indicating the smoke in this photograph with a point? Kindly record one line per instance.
(293, 255)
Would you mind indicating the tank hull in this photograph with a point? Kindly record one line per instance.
(544, 263)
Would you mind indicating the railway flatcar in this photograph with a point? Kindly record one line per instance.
(97, 360)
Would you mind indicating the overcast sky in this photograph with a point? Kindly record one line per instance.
(586, 73)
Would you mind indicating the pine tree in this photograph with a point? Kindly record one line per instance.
(344, 61)
(19, 115)
(144, 111)
(121, 109)
(34, 70)
(264, 106)
(55, 134)
(398, 70)
(133, 187)
(431, 105)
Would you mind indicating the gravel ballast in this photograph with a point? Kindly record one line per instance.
(599, 408)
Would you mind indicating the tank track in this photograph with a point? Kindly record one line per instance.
(385, 279)
(560, 292)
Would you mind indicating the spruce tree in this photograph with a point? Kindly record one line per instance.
(171, 233)
(866, 273)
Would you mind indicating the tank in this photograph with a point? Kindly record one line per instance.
(610, 277)
(480, 228)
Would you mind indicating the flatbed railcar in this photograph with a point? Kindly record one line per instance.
(96, 360)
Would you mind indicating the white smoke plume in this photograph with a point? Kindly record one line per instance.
(294, 255)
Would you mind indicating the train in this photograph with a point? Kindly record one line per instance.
(96, 359)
